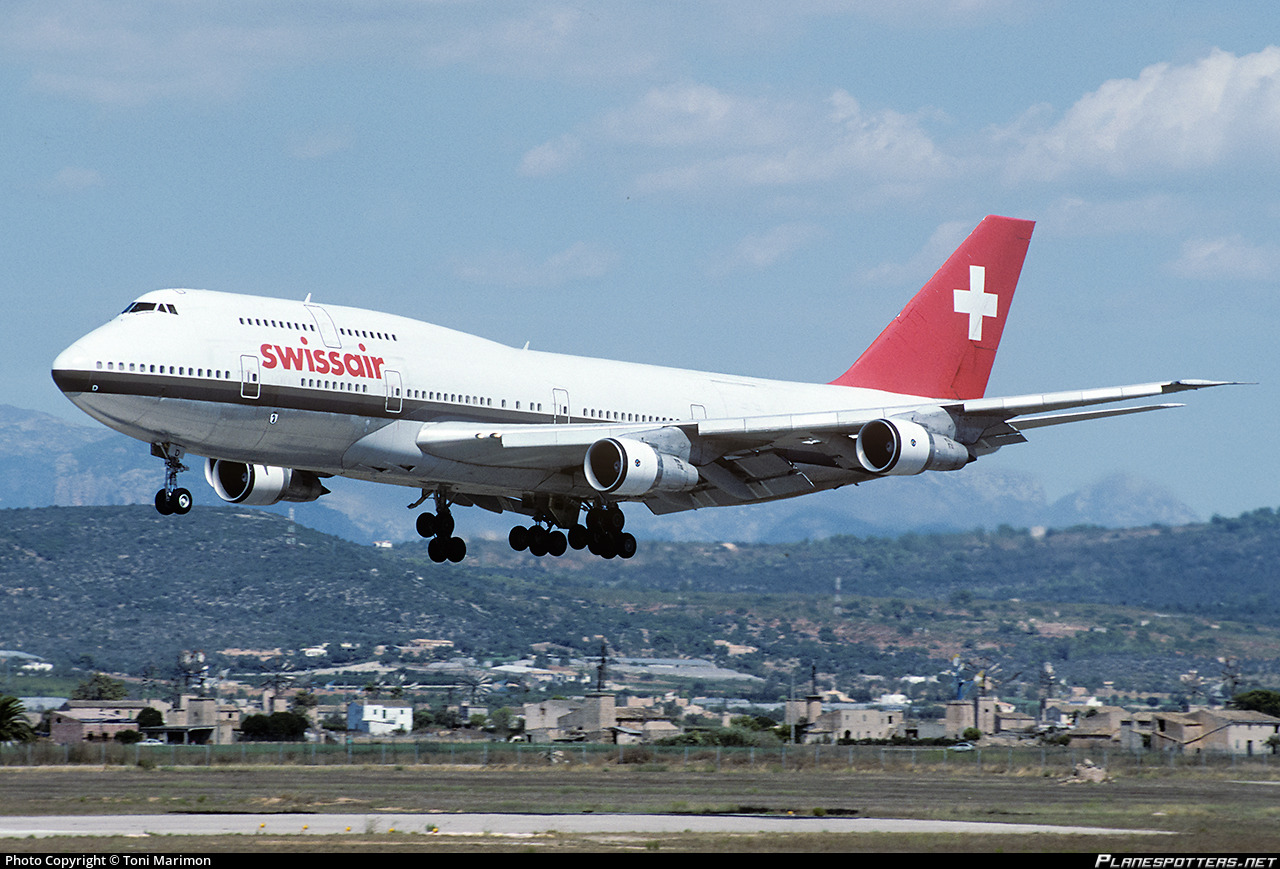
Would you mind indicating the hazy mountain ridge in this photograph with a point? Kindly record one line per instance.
(46, 461)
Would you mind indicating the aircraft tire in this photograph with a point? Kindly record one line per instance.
(614, 520)
(579, 537)
(437, 549)
(626, 545)
(457, 549)
(181, 502)
(557, 543)
(163, 507)
(519, 538)
(426, 524)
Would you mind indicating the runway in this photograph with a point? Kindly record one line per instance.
(515, 825)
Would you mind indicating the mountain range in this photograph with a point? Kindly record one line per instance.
(47, 461)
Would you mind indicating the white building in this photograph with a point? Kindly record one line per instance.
(379, 720)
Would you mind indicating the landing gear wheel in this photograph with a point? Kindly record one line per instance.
(556, 543)
(438, 550)
(614, 520)
(626, 545)
(180, 501)
(537, 541)
(426, 524)
(456, 549)
(519, 538)
(579, 537)
(163, 505)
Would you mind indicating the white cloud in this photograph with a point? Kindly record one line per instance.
(1229, 258)
(764, 249)
(324, 144)
(580, 261)
(550, 157)
(1169, 119)
(695, 137)
(944, 240)
(132, 54)
(73, 179)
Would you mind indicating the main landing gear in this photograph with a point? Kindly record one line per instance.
(171, 499)
(602, 535)
(439, 527)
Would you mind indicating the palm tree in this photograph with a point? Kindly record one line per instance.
(14, 726)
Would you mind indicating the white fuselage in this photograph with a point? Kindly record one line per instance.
(344, 391)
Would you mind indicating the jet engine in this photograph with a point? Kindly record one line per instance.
(901, 447)
(260, 485)
(621, 466)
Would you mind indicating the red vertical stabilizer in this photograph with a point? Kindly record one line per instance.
(943, 343)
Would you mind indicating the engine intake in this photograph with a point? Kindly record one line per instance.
(260, 485)
(621, 466)
(897, 446)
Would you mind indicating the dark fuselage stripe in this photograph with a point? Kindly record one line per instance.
(316, 399)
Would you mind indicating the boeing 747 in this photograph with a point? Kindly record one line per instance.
(278, 395)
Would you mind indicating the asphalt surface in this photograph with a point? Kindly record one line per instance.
(41, 826)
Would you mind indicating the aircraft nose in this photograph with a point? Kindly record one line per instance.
(71, 369)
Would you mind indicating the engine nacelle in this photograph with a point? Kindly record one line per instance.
(621, 466)
(260, 485)
(897, 446)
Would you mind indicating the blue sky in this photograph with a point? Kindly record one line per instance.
(738, 186)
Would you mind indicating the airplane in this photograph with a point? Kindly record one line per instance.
(279, 395)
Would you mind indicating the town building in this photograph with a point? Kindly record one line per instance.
(379, 720)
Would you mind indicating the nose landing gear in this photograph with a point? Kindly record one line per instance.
(172, 499)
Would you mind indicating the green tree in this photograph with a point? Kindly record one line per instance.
(150, 717)
(100, 687)
(276, 727)
(14, 726)
(1259, 700)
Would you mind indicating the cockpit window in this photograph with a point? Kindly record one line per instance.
(138, 307)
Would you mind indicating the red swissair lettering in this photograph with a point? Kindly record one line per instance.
(322, 361)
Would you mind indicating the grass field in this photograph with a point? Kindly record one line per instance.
(1204, 811)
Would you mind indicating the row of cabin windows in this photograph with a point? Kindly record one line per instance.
(621, 416)
(314, 383)
(308, 327)
(364, 333)
(340, 385)
(180, 370)
(277, 324)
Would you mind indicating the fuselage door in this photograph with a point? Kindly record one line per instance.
(560, 405)
(391, 380)
(250, 379)
(324, 323)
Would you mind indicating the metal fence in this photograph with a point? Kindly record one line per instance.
(1010, 760)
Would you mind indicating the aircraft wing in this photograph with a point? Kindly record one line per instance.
(748, 459)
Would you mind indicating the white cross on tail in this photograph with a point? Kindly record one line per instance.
(974, 302)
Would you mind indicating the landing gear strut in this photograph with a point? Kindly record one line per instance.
(439, 527)
(171, 499)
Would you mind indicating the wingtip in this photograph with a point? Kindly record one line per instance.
(1183, 385)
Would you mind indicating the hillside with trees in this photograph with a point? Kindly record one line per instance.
(122, 588)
